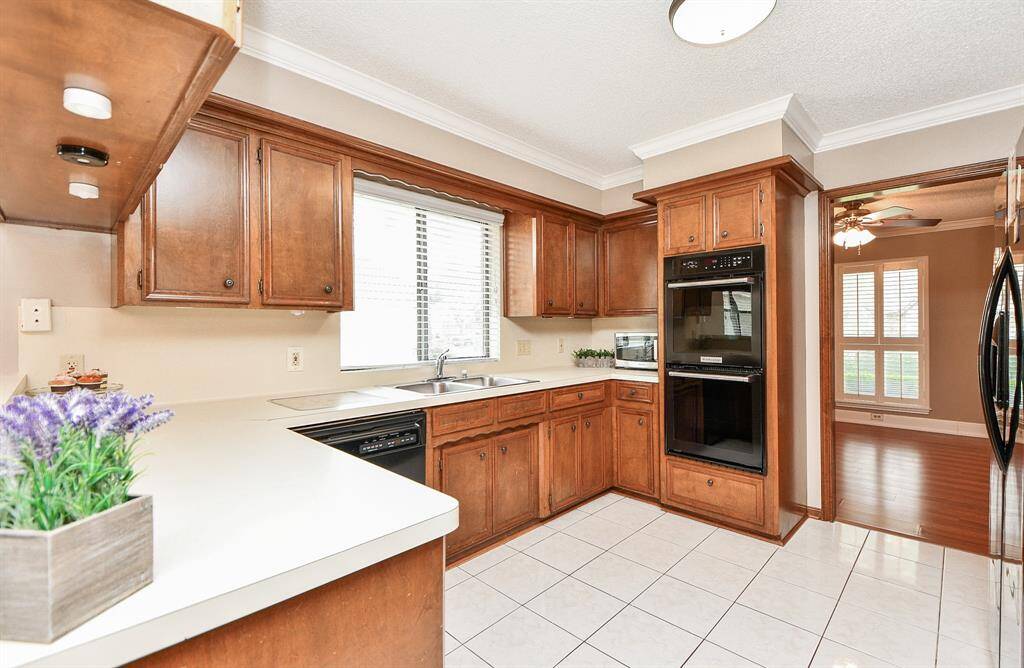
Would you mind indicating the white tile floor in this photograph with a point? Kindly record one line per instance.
(619, 582)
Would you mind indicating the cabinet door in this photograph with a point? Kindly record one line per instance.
(736, 211)
(555, 266)
(635, 460)
(306, 222)
(196, 219)
(595, 453)
(565, 462)
(584, 270)
(684, 224)
(466, 475)
(515, 478)
(630, 271)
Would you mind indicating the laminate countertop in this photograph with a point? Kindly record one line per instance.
(248, 513)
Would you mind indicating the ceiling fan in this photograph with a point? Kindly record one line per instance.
(852, 223)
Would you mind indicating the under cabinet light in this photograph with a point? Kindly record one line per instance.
(88, 103)
(83, 190)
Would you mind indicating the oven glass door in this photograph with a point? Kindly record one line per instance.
(716, 417)
(714, 321)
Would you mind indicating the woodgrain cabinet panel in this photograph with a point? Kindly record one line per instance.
(555, 266)
(584, 269)
(306, 218)
(563, 445)
(635, 455)
(595, 452)
(715, 491)
(629, 272)
(640, 392)
(577, 395)
(462, 416)
(466, 475)
(736, 211)
(520, 406)
(515, 478)
(196, 219)
(685, 222)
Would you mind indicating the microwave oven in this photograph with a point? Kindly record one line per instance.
(636, 350)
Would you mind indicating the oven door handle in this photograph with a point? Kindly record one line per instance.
(745, 280)
(714, 376)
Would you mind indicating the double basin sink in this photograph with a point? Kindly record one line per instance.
(447, 386)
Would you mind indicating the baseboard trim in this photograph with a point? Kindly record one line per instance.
(913, 423)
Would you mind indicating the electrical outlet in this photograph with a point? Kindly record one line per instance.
(523, 347)
(877, 417)
(34, 315)
(72, 362)
(294, 362)
(561, 345)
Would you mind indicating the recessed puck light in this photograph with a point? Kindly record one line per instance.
(83, 190)
(88, 103)
(82, 155)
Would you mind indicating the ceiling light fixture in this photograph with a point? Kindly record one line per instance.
(853, 235)
(88, 103)
(83, 190)
(708, 22)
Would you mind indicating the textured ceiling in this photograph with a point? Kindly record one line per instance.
(586, 79)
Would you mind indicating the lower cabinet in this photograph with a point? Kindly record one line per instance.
(581, 457)
(715, 491)
(636, 454)
(596, 464)
(495, 482)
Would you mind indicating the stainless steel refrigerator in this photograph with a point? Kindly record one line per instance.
(1001, 371)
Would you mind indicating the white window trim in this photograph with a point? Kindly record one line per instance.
(879, 342)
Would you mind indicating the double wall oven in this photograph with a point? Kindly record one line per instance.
(714, 357)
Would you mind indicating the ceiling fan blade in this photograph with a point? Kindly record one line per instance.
(910, 222)
(887, 213)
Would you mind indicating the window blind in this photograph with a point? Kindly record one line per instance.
(427, 274)
(900, 303)
(859, 304)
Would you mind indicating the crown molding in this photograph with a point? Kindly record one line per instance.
(968, 107)
(301, 61)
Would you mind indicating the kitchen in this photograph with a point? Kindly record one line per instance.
(248, 325)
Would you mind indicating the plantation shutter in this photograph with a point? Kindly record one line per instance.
(858, 297)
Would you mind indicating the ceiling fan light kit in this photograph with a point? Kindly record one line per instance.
(709, 22)
(851, 224)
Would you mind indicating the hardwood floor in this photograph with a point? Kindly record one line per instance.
(929, 486)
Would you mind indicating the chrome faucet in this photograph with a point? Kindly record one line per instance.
(439, 365)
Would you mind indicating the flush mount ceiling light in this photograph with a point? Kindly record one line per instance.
(716, 21)
(83, 190)
(852, 235)
(88, 103)
(82, 155)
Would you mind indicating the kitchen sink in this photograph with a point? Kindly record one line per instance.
(435, 387)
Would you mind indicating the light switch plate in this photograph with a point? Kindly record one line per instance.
(71, 362)
(294, 361)
(523, 347)
(34, 315)
(561, 345)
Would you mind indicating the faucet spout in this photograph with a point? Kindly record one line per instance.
(439, 365)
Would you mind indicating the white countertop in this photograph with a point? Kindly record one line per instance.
(248, 513)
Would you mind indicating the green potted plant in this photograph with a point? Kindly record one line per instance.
(589, 357)
(73, 541)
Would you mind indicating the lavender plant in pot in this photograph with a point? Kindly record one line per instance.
(73, 541)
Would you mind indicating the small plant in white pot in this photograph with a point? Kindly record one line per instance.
(72, 540)
(589, 357)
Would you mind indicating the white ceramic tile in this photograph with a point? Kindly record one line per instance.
(906, 548)
(709, 655)
(600, 502)
(630, 513)
(454, 576)
(788, 602)
(576, 607)
(586, 656)
(957, 654)
(974, 626)
(471, 607)
(833, 655)
(712, 574)
(893, 601)
(959, 587)
(690, 608)
(905, 572)
(617, 576)
(640, 640)
(563, 552)
(682, 531)
(762, 639)
(598, 532)
(531, 537)
(974, 565)
(463, 658)
(567, 519)
(523, 638)
(818, 576)
(652, 552)
(487, 559)
(826, 550)
(1012, 635)
(450, 643)
(881, 637)
(739, 549)
(837, 531)
(521, 577)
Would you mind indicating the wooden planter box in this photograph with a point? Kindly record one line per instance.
(52, 581)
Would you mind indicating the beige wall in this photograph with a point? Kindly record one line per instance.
(620, 198)
(959, 270)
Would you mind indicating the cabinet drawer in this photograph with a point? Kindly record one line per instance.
(577, 395)
(522, 405)
(715, 492)
(459, 417)
(635, 392)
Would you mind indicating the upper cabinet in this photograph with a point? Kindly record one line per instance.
(585, 265)
(629, 265)
(685, 223)
(555, 267)
(155, 65)
(736, 214)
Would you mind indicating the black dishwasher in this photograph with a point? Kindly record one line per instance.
(397, 442)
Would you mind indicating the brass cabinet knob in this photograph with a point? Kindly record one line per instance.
(641, 422)
(692, 239)
(551, 302)
(328, 289)
(725, 233)
(587, 424)
(229, 282)
(632, 392)
(573, 427)
(581, 305)
(710, 482)
(579, 395)
(504, 449)
(483, 455)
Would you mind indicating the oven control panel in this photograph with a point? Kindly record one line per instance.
(729, 262)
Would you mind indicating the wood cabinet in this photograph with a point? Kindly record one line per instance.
(629, 265)
(716, 491)
(577, 395)
(563, 446)
(461, 416)
(555, 267)
(636, 456)
(195, 220)
(514, 490)
(466, 475)
(584, 270)
(736, 214)
(596, 465)
(685, 224)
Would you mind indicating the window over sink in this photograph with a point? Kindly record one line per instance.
(426, 278)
